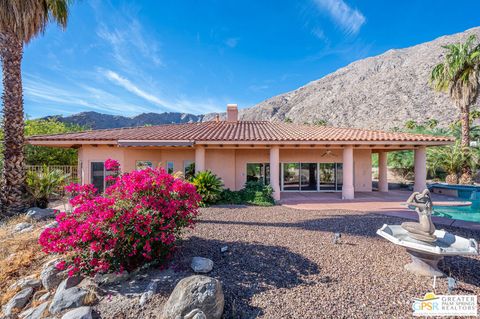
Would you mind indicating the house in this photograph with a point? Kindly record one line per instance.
(291, 157)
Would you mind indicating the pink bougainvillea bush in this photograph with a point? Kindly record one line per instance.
(137, 220)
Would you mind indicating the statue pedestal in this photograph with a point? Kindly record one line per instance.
(425, 255)
(424, 264)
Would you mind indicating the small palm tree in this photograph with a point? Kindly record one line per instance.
(20, 22)
(458, 75)
(43, 184)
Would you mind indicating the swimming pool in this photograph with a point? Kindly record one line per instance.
(467, 213)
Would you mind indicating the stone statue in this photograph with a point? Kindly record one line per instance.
(423, 230)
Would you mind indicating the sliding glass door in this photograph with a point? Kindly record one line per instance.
(326, 177)
(291, 176)
(308, 176)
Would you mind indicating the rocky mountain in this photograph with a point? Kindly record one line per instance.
(380, 92)
(95, 120)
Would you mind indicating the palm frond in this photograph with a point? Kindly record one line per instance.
(28, 18)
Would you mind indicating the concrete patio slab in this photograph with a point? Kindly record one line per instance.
(391, 203)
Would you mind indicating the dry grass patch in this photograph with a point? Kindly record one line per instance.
(20, 255)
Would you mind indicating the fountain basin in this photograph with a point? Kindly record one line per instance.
(425, 256)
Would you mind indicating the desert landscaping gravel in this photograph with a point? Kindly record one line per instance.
(282, 263)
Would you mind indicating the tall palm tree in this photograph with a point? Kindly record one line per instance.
(458, 75)
(20, 21)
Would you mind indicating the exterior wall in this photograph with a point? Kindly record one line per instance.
(90, 154)
(222, 163)
(131, 156)
(362, 161)
(178, 157)
(127, 157)
(244, 156)
(310, 156)
(229, 164)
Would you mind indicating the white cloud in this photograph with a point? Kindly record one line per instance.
(181, 104)
(132, 46)
(132, 88)
(68, 98)
(349, 19)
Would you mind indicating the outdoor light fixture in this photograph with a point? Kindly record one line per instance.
(452, 284)
(336, 238)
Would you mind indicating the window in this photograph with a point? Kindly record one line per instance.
(170, 167)
(188, 169)
(258, 172)
(139, 165)
(97, 175)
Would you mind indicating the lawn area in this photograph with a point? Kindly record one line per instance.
(282, 263)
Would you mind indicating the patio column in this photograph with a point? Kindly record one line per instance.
(382, 172)
(348, 191)
(420, 169)
(275, 171)
(199, 158)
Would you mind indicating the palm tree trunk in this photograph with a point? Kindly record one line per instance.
(12, 188)
(465, 121)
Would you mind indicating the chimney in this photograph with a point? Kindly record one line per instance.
(232, 113)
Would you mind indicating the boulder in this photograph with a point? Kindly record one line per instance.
(201, 265)
(34, 313)
(29, 281)
(198, 292)
(44, 297)
(67, 297)
(111, 278)
(148, 294)
(18, 301)
(50, 276)
(195, 314)
(53, 224)
(23, 227)
(36, 213)
(79, 313)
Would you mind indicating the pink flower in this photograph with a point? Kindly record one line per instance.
(138, 218)
(112, 165)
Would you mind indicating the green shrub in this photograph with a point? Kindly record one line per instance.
(254, 193)
(209, 186)
(42, 185)
(230, 197)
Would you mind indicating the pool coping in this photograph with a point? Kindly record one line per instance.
(436, 219)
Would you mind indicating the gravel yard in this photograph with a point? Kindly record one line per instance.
(282, 263)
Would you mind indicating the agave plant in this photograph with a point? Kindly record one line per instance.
(209, 186)
(44, 184)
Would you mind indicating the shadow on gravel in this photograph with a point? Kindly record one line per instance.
(247, 269)
(464, 269)
(354, 224)
(359, 225)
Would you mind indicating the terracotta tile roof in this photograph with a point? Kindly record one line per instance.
(242, 131)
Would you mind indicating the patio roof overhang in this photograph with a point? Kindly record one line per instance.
(374, 145)
(147, 143)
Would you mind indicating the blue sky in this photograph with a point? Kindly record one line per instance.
(126, 57)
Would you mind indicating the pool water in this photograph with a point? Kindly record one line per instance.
(467, 213)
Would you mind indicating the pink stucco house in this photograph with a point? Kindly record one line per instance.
(291, 157)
